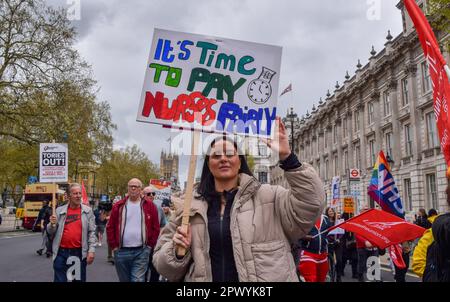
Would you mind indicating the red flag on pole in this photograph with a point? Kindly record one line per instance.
(439, 74)
(381, 228)
(84, 196)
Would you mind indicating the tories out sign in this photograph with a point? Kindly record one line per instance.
(53, 163)
(210, 84)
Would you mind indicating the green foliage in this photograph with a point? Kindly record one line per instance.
(47, 92)
(114, 174)
(439, 16)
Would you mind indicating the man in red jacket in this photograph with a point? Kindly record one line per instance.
(132, 230)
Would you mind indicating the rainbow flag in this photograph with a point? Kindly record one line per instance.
(382, 188)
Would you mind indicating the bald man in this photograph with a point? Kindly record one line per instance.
(132, 230)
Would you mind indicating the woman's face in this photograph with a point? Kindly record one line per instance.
(224, 162)
(330, 213)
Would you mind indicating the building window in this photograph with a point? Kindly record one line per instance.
(370, 111)
(356, 120)
(344, 127)
(408, 141)
(262, 150)
(325, 139)
(327, 167)
(431, 191)
(357, 157)
(405, 95)
(346, 161)
(426, 82)
(372, 152)
(386, 103)
(407, 194)
(389, 144)
(318, 144)
(263, 177)
(432, 137)
(334, 134)
(318, 168)
(85, 176)
(336, 165)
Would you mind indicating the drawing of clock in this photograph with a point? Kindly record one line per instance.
(260, 90)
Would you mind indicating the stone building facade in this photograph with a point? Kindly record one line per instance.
(386, 105)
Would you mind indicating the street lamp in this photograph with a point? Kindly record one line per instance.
(390, 160)
(291, 117)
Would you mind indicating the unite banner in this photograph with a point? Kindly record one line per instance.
(210, 84)
(53, 162)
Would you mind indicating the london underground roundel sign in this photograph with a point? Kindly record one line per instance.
(354, 173)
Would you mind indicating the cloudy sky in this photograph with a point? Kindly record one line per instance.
(321, 40)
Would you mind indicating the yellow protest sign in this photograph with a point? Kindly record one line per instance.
(349, 205)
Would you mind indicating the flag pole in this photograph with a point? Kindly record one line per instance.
(292, 97)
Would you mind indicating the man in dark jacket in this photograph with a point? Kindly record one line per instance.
(132, 232)
(437, 268)
(42, 220)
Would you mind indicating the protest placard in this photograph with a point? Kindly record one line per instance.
(53, 163)
(162, 189)
(210, 84)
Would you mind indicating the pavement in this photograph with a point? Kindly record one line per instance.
(20, 263)
(10, 223)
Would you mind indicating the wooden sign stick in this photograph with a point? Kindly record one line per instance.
(54, 200)
(189, 188)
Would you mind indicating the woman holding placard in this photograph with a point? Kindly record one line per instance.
(241, 230)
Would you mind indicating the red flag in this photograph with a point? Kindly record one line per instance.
(395, 252)
(439, 74)
(381, 228)
(84, 196)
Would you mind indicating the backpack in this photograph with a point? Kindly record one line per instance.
(434, 271)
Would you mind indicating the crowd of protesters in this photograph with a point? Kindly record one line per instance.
(240, 230)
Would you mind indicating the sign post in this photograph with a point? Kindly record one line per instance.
(53, 166)
(209, 84)
(355, 188)
(190, 188)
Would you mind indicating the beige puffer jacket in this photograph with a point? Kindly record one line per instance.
(264, 220)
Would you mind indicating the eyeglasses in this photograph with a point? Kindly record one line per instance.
(228, 154)
(134, 187)
(150, 194)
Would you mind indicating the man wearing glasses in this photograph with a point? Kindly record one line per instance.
(149, 195)
(133, 230)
